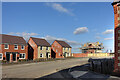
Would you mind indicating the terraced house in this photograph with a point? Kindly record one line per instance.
(12, 48)
(60, 49)
(38, 48)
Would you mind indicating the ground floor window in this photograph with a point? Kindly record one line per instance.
(68, 54)
(1, 56)
(41, 55)
(22, 55)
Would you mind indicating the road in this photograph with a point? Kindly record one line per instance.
(37, 70)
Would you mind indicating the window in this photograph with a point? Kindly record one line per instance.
(6, 46)
(1, 56)
(46, 48)
(41, 55)
(68, 54)
(64, 48)
(59, 54)
(118, 64)
(68, 48)
(56, 50)
(119, 44)
(0, 47)
(22, 55)
(22, 47)
(118, 38)
(118, 31)
(40, 47)
(118, 58)
(118, 12)
(118, 18)
(15, 46)
(118, 51)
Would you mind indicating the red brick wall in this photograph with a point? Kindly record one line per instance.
(11, 49)
(116, 28)
(34, 46)
(80, 54)
(59, 49)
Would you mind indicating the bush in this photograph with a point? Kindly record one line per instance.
(3, 61)
(22, 60)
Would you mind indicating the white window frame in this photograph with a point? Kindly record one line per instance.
(2, 56)
(21, 47)
(119, 58)
(6, 44)
(118, 44)
(118, 38)
(40, 55)
(118, 31)
(59, 54)
(118, 51)
(47, 48)
(22, 55)
(118, 18)
(15, 48)
(118, 64)
(40, 47)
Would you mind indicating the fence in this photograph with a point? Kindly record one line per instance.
(105, 66)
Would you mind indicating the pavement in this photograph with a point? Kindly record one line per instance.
(40, 69)
(80, 72)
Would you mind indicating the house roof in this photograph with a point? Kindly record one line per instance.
(116, 2)
(63, 44)
(12, 39)
(40, 42)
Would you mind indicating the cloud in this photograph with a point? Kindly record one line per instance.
(109, 31)
(50, 39)
(81, 30)
(108, 38)
(59, 8)
(25, 35)
(98, 37)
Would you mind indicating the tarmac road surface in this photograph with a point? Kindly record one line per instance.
(37, 70)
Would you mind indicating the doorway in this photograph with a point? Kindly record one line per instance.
(8, 56)
(14, 56)
(47, 55)
(53, 54)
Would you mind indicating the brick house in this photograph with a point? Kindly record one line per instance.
(116, 6)
(38, 48)
(12, 48)
(60, 49)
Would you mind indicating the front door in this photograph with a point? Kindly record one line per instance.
(14, 56)
(8, 56)
(47, 55)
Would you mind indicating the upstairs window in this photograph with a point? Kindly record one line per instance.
(40, 47)
(118, 31)
(68, 48)
(22, 47)
(46, 48)
(118, 44)
(6, 46)
(15, 46)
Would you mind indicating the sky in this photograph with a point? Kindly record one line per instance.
(74, 22)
